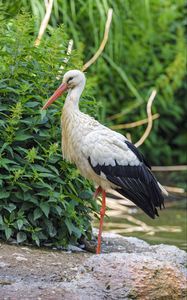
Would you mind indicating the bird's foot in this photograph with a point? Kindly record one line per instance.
(89, 245)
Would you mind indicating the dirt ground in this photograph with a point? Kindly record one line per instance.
(24, 269)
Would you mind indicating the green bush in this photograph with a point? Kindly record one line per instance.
(42, 198)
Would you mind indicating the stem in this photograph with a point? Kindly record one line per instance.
(45, 21)
(103, 43)
(150, 119)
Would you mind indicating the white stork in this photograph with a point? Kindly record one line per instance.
(103, 155)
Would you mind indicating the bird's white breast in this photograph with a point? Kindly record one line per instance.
(84, 138)
(76, 126)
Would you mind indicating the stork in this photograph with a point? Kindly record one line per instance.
(104, 156)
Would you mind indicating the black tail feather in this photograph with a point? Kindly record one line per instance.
(144, 205)
(146, 197)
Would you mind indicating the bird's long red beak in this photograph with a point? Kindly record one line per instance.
(61, 89)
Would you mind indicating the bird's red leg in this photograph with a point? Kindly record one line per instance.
(97, 192)
(102, 214)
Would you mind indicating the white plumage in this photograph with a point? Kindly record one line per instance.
(84, 137)
(103, 155)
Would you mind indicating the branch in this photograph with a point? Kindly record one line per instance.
(69, 50)
(70, 47)
(128, 136)
(173, 189)
(103, 43)
(134, 124)
(169, 168)
(48, 5)
(150, 119)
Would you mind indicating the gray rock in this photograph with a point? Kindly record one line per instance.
(147, 273)
(127, 269)
(3, 265)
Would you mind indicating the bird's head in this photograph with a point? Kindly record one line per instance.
(71, 80)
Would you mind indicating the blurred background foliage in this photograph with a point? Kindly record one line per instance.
(146, 49)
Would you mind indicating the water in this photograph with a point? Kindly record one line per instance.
(169, 228)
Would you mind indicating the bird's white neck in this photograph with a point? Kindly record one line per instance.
(70, 120)
(73, 96)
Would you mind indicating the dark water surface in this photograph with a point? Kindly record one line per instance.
(169, 228)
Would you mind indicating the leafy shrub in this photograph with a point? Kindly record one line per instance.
(42, 197)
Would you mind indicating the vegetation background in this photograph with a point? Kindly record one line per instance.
(145, 50)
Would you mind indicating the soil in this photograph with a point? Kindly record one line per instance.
(37, 270)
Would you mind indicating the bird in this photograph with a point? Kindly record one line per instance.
(104, 156)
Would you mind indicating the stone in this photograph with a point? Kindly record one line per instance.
(146, 273)
(21, 258)
(128, 268)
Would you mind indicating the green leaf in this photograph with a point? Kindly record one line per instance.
(3, 148)
(40, 168)
(77, 231)
(4, 195)
(37, 213)
(45, 208)
(5, 161)
(21, 237)
(1, 220)
(20, 223)
(22, 137)
(85, 195)
(69, 225)
(54, 169)
(51, 229)
(47, 175)
(58, 209)
(43, 185)
(32, 104)
(23, 186)
(36, 238)
(12, 217)
(8, 232)
(10, 207)
(72, 187)
(43, 193)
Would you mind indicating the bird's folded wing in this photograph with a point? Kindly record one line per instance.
(106, 147)
(114, 158)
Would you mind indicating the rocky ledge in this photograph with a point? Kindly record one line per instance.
(129, 268)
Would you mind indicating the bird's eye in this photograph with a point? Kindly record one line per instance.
(69, 79)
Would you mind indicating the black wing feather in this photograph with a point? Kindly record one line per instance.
(138, 154)
(137, 183)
